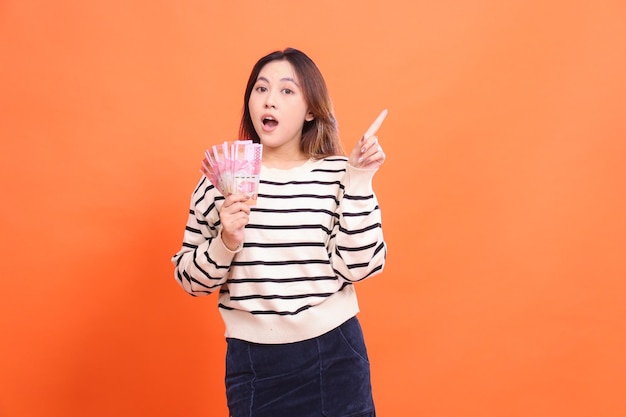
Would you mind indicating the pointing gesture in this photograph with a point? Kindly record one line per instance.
(367, 153)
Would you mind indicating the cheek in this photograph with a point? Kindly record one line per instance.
(253, 109)
(255, 100)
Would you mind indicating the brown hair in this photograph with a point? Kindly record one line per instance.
(320, 137)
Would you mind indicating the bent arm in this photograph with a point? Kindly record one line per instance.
(203, 262)
(359, 250)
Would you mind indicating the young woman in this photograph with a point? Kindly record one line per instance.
(285, 268)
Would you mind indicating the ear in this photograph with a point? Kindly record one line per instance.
(309, 117)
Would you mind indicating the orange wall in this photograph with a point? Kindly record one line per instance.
(503, 198)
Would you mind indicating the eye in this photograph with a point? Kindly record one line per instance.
(260, 89)
(288, 91)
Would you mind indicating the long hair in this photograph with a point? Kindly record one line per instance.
(320, 136)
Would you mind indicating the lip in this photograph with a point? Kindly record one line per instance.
(267, 128)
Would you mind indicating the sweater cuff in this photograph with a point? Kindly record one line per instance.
(359, 180)
(237, 249)
(221, 253)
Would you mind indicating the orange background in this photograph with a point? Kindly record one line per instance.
(503, 198)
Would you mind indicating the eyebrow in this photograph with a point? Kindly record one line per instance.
(282, 79)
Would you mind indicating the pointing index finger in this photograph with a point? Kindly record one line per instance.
(376, 125)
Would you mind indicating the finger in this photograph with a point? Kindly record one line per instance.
(239, 218)
(375, 152)
(235, 198)
(376, 125)
(369, 144)
(373, 162)
(237, 208)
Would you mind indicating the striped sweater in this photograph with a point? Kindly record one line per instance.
(316, 229)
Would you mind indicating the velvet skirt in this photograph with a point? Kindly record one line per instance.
(325, 376)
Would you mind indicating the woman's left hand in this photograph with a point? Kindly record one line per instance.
(367, 153)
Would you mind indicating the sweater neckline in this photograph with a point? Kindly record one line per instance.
(289, 172)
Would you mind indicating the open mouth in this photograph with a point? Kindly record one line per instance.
(269, 122)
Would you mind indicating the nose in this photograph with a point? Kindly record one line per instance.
(269, 100)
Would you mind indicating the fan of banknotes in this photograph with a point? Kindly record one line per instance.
(234, 167)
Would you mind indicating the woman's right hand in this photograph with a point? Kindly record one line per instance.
(234, 216)
(368, 153)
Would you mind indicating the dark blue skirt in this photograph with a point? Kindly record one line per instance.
(326, 376)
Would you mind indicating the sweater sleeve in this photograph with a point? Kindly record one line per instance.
(203, 262)
(358, 250)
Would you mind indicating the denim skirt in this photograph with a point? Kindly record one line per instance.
(325, 376)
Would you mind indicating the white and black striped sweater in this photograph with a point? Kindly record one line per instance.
(315, 230)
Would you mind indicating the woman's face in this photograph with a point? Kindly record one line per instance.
(278, 109)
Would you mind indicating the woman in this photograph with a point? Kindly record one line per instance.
(285, 268)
